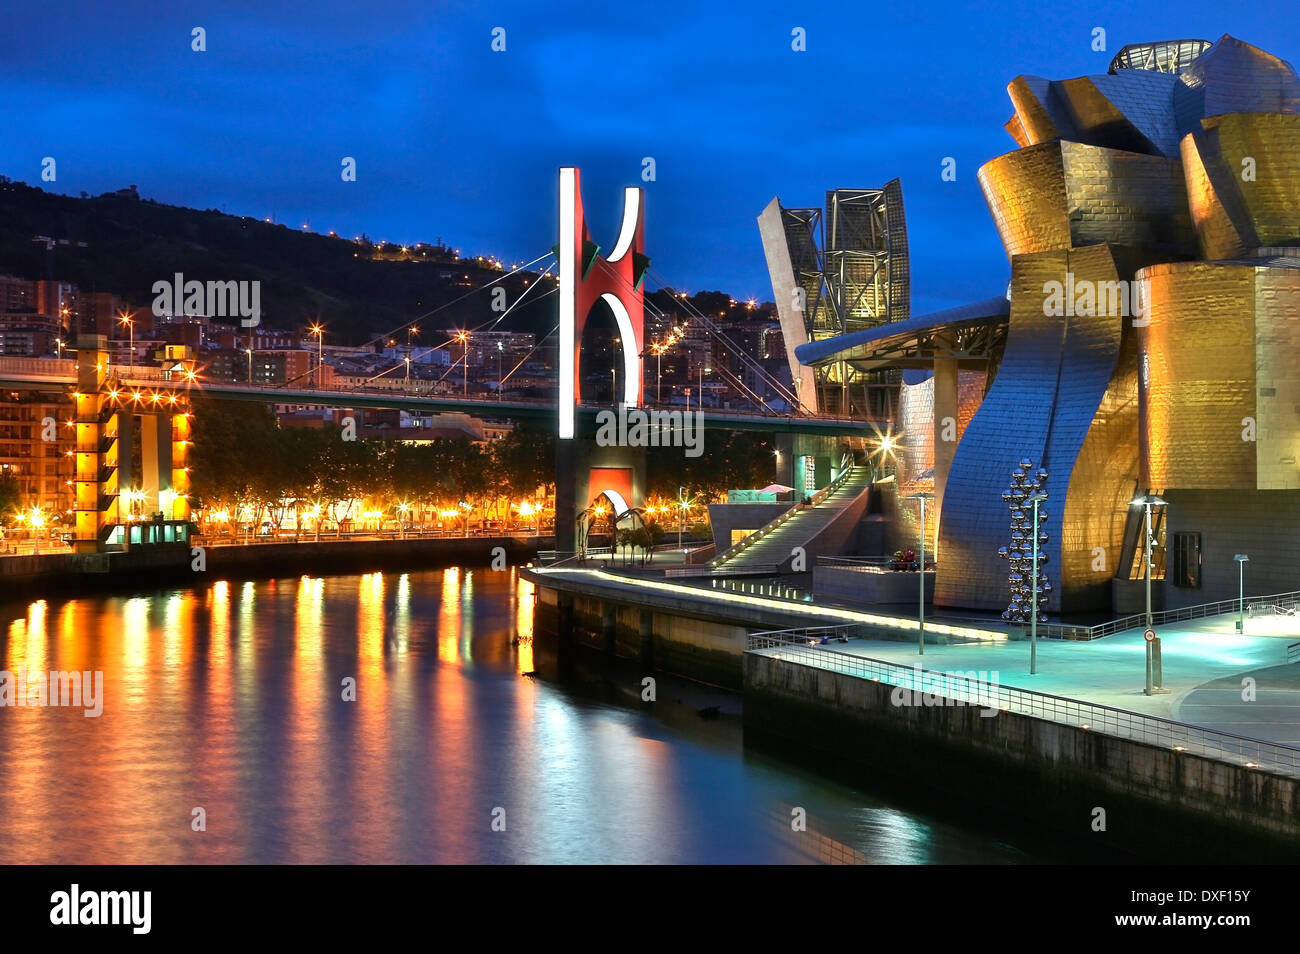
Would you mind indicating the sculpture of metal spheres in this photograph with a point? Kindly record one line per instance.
(1025, 482)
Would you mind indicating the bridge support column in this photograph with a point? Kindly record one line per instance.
(180, 456)
(127, 476)
(156, 463)
(784, 459)
(96, 476)
(583, 471)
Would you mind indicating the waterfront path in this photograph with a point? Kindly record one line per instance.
(1098, 683)
(1111, 671)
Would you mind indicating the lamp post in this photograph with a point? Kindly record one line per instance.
(125, 318)
(703, 370)
(408, 372)
(681, 514)
(249, 352)
(463, 338)
(1241, 559)
(1035, 499)
(920, 637)
(659, 372)
(1148, 501)
(319, 332)
(500, 348)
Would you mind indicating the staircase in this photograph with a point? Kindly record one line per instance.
(773, 546)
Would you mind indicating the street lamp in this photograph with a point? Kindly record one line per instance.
(920, 638)
(681, 515)
(125, 318)
(659, 372)
(249, 352)
(319, 332)
(500, 348)
(1241, 559)
(703, 370)
(1148, 501)
(463, 338)
(1035, 499)
(886, 448)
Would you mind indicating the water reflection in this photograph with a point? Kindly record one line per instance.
(383, 718)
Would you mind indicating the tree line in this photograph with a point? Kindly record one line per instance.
(244, 460)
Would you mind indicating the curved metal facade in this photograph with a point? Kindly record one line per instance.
(1121, 182)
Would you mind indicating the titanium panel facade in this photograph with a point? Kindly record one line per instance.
(1054, 378)
(1220, 383)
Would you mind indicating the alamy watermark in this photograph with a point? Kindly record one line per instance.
(129, 908)
(56, 688)
(633, 427)
(957, 688)
(1084, 298)
(212, 300)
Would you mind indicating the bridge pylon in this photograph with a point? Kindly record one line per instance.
(588, 279)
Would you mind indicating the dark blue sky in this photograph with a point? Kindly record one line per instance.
(454, 140)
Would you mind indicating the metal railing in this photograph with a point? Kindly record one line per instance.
(854, 561)
(1278, 604)
(799, 635)
(64, 370)
(793, 646)
(771, 525)
(756, 569)
(1199, 611)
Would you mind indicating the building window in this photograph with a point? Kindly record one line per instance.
(1187, 560)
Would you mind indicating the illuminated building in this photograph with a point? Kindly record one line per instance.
(1148, 343)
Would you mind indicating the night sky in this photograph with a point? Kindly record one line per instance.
(456, 141)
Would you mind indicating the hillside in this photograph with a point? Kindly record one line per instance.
(130, 243)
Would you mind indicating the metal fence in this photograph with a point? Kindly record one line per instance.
(1277, 604)
(756, 569)
(795, 646)
(846, 463)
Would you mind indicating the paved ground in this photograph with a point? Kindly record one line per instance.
(1273, 715)
(1204, 663)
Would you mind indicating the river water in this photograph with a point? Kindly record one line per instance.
(225, 737)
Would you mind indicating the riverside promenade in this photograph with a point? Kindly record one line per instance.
(1212, 761)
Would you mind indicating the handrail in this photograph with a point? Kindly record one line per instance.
(1122, 723)
(749, 569)
(772, 524)
(854, 561)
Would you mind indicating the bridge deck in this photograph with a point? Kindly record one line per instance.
(51, 372)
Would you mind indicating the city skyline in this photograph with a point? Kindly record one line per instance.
(697, 93)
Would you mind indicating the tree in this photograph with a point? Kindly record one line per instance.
(10, 497)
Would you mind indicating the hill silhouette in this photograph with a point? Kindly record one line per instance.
(130, 243)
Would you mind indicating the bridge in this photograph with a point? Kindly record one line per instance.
(110, 399)
(145, 381)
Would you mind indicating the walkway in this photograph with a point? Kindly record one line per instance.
(799, 529)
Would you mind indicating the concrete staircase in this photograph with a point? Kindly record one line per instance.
(829, 522)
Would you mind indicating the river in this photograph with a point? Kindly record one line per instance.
(227, 735)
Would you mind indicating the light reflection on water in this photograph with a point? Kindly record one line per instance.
(231, 698)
